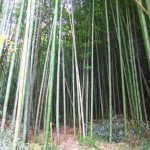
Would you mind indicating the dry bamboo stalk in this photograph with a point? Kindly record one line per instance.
(141, 6)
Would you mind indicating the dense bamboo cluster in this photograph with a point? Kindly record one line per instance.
(71, 63)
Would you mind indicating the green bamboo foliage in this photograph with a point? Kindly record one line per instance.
(4, 37)
(87, 90)
(12, 68)
(2, 27)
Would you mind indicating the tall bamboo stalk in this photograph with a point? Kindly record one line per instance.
(21, 78)
(109, 72)
(52, 64)
(92, 74)
(12, 68)
(58, 73)
(145, 30)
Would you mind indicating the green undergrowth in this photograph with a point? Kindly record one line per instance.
(6, 141)
(88, 142)
(100, 134)
(102, 131)
(145, 144)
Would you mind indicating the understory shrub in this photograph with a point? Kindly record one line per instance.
(101, 131)
(6, 141)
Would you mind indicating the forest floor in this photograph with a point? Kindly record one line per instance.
(70, 143)
(36, 142)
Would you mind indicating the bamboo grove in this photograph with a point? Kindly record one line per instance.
(70, 63)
